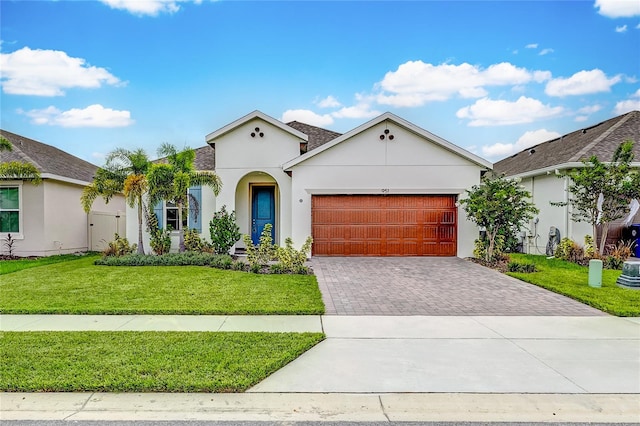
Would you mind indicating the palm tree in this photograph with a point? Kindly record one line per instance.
(124, 172)
(17, 169)
(170, 181)
(5, 145)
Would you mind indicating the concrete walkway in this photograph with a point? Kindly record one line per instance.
(386, 368)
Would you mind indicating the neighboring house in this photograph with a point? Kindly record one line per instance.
(540, 168)
(48, 218)
(385, 188)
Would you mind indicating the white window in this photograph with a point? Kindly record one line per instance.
(10, 209)
(171, 217)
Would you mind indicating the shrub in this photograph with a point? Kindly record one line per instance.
(526, 268)
(224, 231)
(589, 248)
(291, 259)
(192, 241)
(186, 258)
(239, 265)
(617, 254)
(119, 247)
(481, 245)
(264, 252)
(570, 251)
(160, 240)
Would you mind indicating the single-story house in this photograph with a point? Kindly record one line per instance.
(48, 218)
(540, 169)
(385, 188)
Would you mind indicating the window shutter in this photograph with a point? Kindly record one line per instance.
(158, 209)
(195, 221)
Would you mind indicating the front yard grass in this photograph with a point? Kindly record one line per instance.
(80, 287)
(572, 280)
(144, 361)
(9, 266)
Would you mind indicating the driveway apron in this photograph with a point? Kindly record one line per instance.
(432, 286)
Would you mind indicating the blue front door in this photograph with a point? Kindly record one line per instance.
(263, 211)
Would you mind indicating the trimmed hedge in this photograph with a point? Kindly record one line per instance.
(221, 261)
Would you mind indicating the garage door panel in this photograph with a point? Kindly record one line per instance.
(393, 225)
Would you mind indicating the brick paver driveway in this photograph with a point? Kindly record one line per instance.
(431, 286)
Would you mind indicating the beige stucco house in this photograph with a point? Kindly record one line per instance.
(385, 188)
(540, 170)
(48, 218)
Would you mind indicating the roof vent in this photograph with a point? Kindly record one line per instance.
(531, 151)
(584, 131)
(258, 132)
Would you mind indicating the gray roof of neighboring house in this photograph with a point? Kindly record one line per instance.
(600, 140)
(46, 158)
(317, 135)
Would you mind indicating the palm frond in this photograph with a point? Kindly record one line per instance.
(20, 170)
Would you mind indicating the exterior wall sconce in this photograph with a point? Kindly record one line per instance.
(258, 132)
(386, 135)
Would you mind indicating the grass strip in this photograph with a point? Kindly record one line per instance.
(79, 287)
(144, 361)
(572, 280)
(9, 266)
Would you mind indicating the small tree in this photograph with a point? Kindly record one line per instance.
(224, 231)
(498, 205)
(600, 193)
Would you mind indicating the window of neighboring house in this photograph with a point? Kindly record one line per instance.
(10, 217)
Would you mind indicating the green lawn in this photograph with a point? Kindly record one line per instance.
(9, 266)
(80, 287)
(144, 361)
(572, 280)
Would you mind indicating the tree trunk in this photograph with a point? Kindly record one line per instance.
(603, 237)
(492, 243)
(140, 246)
(181, 228)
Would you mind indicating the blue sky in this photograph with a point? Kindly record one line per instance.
(491, 77)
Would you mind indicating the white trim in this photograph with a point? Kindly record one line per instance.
(64, 179)
(385, 191)
(20, 234)
(253, 115)
(401, 122)
(552, 169)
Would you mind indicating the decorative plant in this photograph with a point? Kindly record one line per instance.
(119, 247)
(8, 243)
(264, 252)
(160, 239)
(292, 260)
(192, 240)
(224, 231)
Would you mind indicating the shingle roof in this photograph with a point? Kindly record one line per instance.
(600, 140)
(317, 135)
(46, 158)
(205, 158)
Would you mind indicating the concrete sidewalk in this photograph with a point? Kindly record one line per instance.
(471, 368)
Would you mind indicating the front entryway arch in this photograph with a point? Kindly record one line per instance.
(258, 204)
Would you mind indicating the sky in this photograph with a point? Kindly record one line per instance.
(493, 77)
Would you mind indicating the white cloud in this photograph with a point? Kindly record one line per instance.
(487, 112)
(589, 109)
(415, 83)
(581, 83)
(328, 102)
(307, 116)
(618, 8)
(621, 29)
(147, 7)
(92, 116)
(531, 46)
(631, 104)
(48, 73)
(545, 51)
(529, 139)
(362, 109)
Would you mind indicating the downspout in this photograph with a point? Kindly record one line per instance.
(566, 209)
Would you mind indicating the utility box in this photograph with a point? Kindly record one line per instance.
(595, 273)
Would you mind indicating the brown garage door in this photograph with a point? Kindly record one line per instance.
(384, 225)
